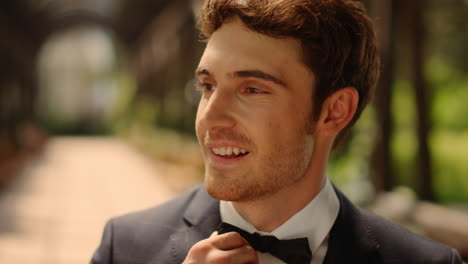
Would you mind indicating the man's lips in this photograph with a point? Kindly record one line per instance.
(227, 160)
(230, 156)
(229, 151)
(225, 153)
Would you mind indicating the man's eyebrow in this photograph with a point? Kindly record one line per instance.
(202, 71)
(246, 74)
(260, 75)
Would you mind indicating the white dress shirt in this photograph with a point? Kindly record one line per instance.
(314, 221)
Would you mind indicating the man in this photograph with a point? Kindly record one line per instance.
(282, 81)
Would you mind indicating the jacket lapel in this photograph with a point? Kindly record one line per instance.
(201, 218)
(350, 240)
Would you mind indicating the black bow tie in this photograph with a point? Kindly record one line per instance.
(295, 251)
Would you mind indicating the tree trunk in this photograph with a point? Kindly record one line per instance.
(417, 35)
(381, 166)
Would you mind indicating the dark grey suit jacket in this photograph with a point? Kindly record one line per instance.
(165, 234)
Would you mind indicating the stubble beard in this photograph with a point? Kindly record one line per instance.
(283, 167)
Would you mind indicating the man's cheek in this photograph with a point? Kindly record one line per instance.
(199, 129)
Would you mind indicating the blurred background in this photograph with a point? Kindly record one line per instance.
(97, 110)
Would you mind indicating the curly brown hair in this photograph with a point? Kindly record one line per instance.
(337, 37)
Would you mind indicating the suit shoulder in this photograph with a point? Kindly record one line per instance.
(398, 245)
(145, 235)
(166, 212)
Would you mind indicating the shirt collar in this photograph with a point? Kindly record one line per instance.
(314, 221)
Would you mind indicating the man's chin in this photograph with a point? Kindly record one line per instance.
(221, 192)
(232, 191)
(223, 189)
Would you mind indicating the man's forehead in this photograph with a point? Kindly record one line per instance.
(234, 47)
(234, 36)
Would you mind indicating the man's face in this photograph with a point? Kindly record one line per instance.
(254, 120)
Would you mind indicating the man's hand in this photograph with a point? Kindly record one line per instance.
(220, 249)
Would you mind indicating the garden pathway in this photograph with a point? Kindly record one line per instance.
(55, 211)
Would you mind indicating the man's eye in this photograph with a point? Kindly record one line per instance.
(204, 87)
(252, 90)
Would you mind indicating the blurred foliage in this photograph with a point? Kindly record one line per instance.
(163, 144)
(450, 165)
(138, 120)
(449, 136)
(446, 71)
(448, 31)
(80, 74)
(450, 87)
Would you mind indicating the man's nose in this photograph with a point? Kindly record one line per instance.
(219, 112)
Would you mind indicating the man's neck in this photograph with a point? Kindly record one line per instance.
(269, 213)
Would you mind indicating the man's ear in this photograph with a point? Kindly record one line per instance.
(337, 111)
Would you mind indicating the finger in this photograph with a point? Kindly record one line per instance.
(215, 233)
(244, 255)
(229, 241)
